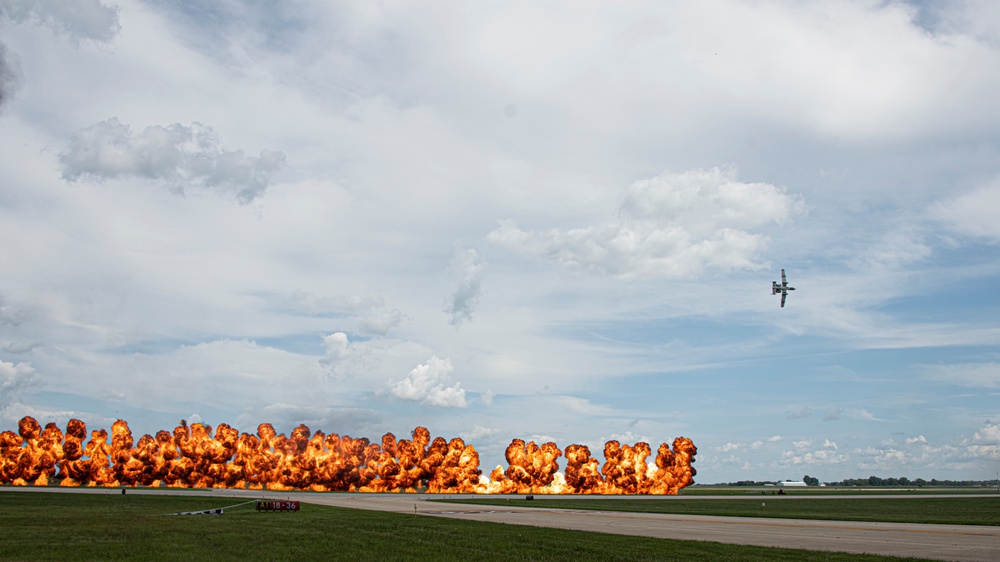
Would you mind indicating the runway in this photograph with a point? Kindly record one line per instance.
(973, 543)
(941, 542)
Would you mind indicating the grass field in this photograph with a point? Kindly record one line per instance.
(957, 511)
(835, 491)
(69, 527)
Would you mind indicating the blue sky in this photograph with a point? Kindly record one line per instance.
(549, 221)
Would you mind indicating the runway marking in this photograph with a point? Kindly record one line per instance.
(764, 523)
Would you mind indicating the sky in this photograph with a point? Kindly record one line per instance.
(552, 221)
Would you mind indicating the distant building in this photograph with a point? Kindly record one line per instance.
(792, 484)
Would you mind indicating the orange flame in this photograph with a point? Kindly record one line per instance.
(191, 457)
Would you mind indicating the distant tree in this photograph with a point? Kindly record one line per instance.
(810, 481)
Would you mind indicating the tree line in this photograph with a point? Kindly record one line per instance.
(877, 481)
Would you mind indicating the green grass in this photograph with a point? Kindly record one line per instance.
(835, 491)
(70, 527)
(958, 511)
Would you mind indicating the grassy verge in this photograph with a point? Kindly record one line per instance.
(835, 491)
(69, 527)
(957, 511)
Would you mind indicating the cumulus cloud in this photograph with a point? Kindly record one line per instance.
(467, 270)
(805, 454)
(380, 324)
(985, 442)
(672, 225)
(973, 213)
(14, 379)
(426, 384)
(177, 155)
(344, 357)
(79, 19)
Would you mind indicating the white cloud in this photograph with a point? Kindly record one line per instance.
(344, 358)
(669, 226)
(487, 397)
(973, 213)
(804, 454)
(408, 128)
(305, 302)
(861, 414)
(380, 324)
(985, 442)
(898, 247)
(989, 434)
(479, 432)
(344, 420)
(15, 379)
(426, 384)
(975, 375)
(179, 155)
(467, 270)
(801, 413)
(80, 19)
(10, 314)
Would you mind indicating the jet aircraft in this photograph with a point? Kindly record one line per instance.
(783, 288)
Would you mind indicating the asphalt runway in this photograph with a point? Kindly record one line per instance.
(941, 542)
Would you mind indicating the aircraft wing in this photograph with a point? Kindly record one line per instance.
(783, 280)
(783, 295)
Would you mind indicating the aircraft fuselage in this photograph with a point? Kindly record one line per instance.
(776, 288)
